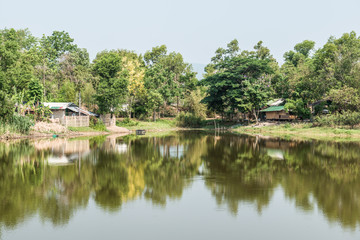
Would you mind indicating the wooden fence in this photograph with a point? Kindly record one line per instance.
(75, 121)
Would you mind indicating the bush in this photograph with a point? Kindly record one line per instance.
(127, 122)
(16, 123)
(345, 119)
(97, 124)
(7, 106)
(298, 107)
(189, 120)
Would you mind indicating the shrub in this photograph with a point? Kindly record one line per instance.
(347, 118)
(298, 107)
(97, 124)
(127, 122)
(16, 123)
(194, 105)
(189, 120)
(7, 106)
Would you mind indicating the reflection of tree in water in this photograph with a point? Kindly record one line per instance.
(236, 169)
(111, 181)
(110, 174)
(321, 173)
(167, 164)
(17, 182)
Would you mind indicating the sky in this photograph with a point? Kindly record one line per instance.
(195, 28)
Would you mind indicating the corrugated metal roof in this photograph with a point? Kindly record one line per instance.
(275, 102)
(273, 109)
(73, 109)
(67, 105)
(58, 105)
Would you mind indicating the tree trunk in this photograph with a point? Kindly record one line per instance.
(129, 108)
(256, 116)
(79, 102)
(177, 105)
(44, 82)
(154, 116)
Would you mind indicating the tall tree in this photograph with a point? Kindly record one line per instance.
(112, 87)
(241, 82)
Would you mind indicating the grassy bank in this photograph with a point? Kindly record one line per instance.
(302, 131)
(169, 125)
(83, 129)
(159, 125)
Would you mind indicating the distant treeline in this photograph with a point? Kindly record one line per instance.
(160, 83)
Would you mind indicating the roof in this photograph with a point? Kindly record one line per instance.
(275, 102)
(59, 105)
(67, 105)
(273, 109)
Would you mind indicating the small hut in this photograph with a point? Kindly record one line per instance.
(69, 114)
(277, 113)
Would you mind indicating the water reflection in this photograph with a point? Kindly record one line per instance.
(57, 177)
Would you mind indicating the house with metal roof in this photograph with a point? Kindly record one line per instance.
(62, 109)
(277, 113)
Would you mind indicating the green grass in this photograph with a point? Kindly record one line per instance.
(303, 131)
(159, 125)
(83, 129)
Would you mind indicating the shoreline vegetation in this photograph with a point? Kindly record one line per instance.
(284, 130)
(238, 86)
(300, 131)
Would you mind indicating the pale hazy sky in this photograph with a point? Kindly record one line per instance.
(194, 28)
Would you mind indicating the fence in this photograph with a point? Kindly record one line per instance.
(75, 121)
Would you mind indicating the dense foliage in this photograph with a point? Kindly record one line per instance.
(161, 84)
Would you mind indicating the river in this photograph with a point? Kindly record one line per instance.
(179, 185)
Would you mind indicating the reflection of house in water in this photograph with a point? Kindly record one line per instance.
(121, 147)
(176, 151)
(275, 153)
(63, 151)
(276, 149)
(115, 144)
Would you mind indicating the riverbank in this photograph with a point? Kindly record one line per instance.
(303, 131)
(49, 130)
(157, 126)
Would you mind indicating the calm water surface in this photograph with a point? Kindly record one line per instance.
(185, 185)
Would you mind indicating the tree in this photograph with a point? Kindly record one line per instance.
(16, 65)
(35, 92)
(168, 74)
(345, 99)
(50, 51)
(194, 105)
(136, 86)
(242, 82)
(112, 87)
(256, 94)
(153, 101)
(75, 67)
(7, 106)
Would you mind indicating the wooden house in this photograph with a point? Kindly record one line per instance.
(277, 113)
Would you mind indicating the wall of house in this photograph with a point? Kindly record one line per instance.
(58, 113)
(281, 115)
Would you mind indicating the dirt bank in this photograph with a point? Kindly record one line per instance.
(47, 130)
